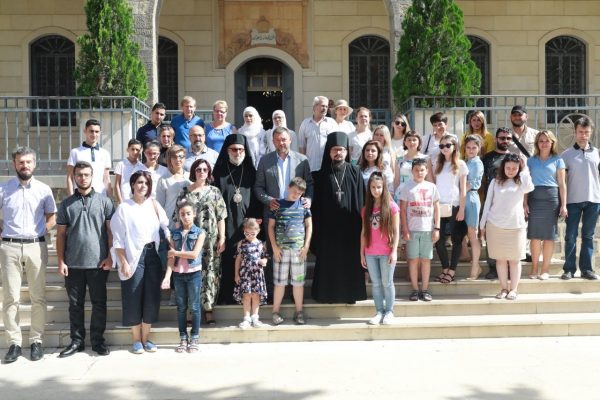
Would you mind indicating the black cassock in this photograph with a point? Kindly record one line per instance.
(228, 177)
(339, 277)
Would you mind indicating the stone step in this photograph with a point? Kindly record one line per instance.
(336, 329)
(56, 291)
(456, 305)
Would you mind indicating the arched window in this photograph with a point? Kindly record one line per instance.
(168, 73)
(52, 62)
(480, 53)
(369, 73)
(565, 74)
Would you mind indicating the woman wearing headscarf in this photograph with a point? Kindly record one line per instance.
(280, 120)
(338, 199)
(255, 134)
(234, 174)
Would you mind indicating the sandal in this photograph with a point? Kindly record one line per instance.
(503, 293)
(512, 295)
(474, 277)
(183, 344)
(447, 278)
(193, 346)
(209, 319)
(440, 277)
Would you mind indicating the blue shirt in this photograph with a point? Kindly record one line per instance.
(283, 166)
(543, 173)
(289, 224)
(147, 133)
(216, 137)
(182, 129)
(475, 172)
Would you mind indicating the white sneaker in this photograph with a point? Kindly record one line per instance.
(376, 320)
(256, 322)
(388, 318)
(246, 323)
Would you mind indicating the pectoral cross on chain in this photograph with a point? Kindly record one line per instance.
(339, 194)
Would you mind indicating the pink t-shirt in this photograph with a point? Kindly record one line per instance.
(379, 244)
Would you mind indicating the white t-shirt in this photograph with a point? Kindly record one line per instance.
(419, 208)
(159, 172)
(125, 168)
(346, 126)
(100, 164)
(357, 141)
(312, 137)
(448, 184)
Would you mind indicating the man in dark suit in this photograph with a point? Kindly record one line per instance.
(274, 173)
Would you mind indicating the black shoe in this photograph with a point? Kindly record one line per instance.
(14, 351)
(491, 275)
(566, 276)
(74, 347)
(102, 349)
(527, 257)
(37, 352)
(589, 275)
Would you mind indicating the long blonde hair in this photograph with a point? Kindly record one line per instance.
(453, 158)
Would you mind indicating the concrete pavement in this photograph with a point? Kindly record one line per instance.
(510, 368)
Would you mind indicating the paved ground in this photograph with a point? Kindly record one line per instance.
(528, 368)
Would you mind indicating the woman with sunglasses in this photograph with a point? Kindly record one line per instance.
(547, 201)
(503, 222)
(400, 127)
(450, 177)
(210, 216)
(170, 186)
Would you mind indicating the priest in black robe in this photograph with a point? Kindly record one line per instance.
(234, 174)
(338, 199)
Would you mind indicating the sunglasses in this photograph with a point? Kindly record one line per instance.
(201, 169)
(401, 123)
(447, 146)
(505, 138)
(512, 157)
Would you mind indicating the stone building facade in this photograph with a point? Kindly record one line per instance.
(280, 54)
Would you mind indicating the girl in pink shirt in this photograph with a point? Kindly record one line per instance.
(378, 244)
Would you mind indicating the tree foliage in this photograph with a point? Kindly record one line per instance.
(434, 58)
(109, 62)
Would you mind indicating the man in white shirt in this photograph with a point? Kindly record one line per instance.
(198, 149)
(91, 152)
(313, 132)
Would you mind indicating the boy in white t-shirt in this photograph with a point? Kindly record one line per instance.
(124, 169)
(420, 224)
(91, 152)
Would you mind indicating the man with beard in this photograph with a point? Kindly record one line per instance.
(84, 217)
(29, 213)
(521, 132)
(234, 174)
(491, 162)
(275, 171)
(338, 199)
(198, 149)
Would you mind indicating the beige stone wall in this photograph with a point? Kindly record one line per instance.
(518, 32)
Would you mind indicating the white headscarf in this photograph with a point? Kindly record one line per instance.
(255, 134)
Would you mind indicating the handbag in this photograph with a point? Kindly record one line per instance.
(446, 208)
(163, 247)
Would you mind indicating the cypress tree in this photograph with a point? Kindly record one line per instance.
(434, 58)
(109, 62)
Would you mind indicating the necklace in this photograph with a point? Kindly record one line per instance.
(237, 196)
(339, 192)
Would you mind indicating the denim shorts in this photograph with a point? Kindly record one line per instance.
(419, 245)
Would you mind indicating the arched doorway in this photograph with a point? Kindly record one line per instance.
(266, 84)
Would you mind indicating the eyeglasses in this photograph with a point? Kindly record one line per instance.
(201, 169)
(447, 146)
(505, 138)
(250, 233)
(178, 157)
(401, 123)
(236, 149)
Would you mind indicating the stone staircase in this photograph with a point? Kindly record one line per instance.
(461, 309)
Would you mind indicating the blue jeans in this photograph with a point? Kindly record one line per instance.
(187, 291)
(588, 213)
(382, 277)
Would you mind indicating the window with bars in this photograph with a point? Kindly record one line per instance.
(480, 54)
(369, 72)
(168, 73)
(565, 75)
(52, 63)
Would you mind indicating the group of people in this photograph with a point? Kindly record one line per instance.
(191, 200)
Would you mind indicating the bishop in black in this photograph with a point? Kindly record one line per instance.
(234, 174)
(338, 199)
